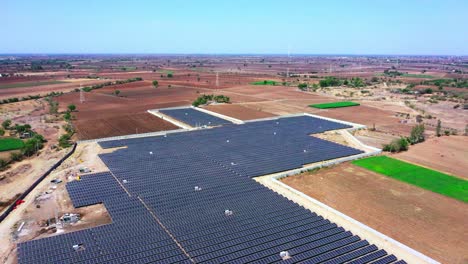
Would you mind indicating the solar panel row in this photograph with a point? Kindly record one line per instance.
(193, 191)
(194, 118)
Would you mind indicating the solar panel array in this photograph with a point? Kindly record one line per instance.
(194, 117)
(188, 198)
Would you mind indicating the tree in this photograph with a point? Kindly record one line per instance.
(6, 124)
(67, 116)
(32, 145)
(22, 128)
(170, 75)
(155, 84)
(2, 132)
(417, 134)
(438, 128)
(302, 86)
(71, 107)
(117, 92)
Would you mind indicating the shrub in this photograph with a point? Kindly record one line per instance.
(417, 134)
(14, 156)
(64, 141)
(6, 124)
(330, 81)
(397, 145)
(3, 164)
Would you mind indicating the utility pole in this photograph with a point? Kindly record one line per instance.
(82, 97)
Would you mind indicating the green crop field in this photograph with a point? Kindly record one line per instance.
(265, 82)
(10, 144)
(28, 84)
(416, 175)
(418, 75)
(334, 105)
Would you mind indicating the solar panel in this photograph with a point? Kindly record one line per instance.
(189, 197)
(194, 117)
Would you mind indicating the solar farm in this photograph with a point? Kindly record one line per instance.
(189, 197)
(193, 117)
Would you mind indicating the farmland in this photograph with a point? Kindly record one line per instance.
(265, 82)
(10, 144)
(28, 84)
(425, 178)
(430, 223)
(258, 88)
(334, 105)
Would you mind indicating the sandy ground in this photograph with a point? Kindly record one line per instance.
(56, 202)
(428, 222)
(374, 138)
(447, 153)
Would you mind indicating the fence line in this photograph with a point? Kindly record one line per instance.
(34, 185)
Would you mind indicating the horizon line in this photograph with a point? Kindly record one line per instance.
(227, 54)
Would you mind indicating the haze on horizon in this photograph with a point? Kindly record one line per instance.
(236, 27)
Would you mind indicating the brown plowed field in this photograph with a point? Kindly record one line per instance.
(121, 125)
(447, 153)
(238, 111)
(104, 114)
(384, 120)
(44, 89)
(425, 221)
(182, 77)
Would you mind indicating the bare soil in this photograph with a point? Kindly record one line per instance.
(425, 221)
(447, 153)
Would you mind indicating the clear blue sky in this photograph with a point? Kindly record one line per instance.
(237, 26)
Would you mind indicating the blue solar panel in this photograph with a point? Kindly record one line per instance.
(159, 216)
(194, 117)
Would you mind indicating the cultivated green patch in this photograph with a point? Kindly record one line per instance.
(10, 144)
(265, 82)
(416, 175)
(28, 84)
(334, 105)
(425, 76)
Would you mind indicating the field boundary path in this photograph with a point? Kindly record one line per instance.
(150, 134)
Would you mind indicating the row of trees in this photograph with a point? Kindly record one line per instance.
(102, 85)
(331, 81)
(29, 97)
(402, 143)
